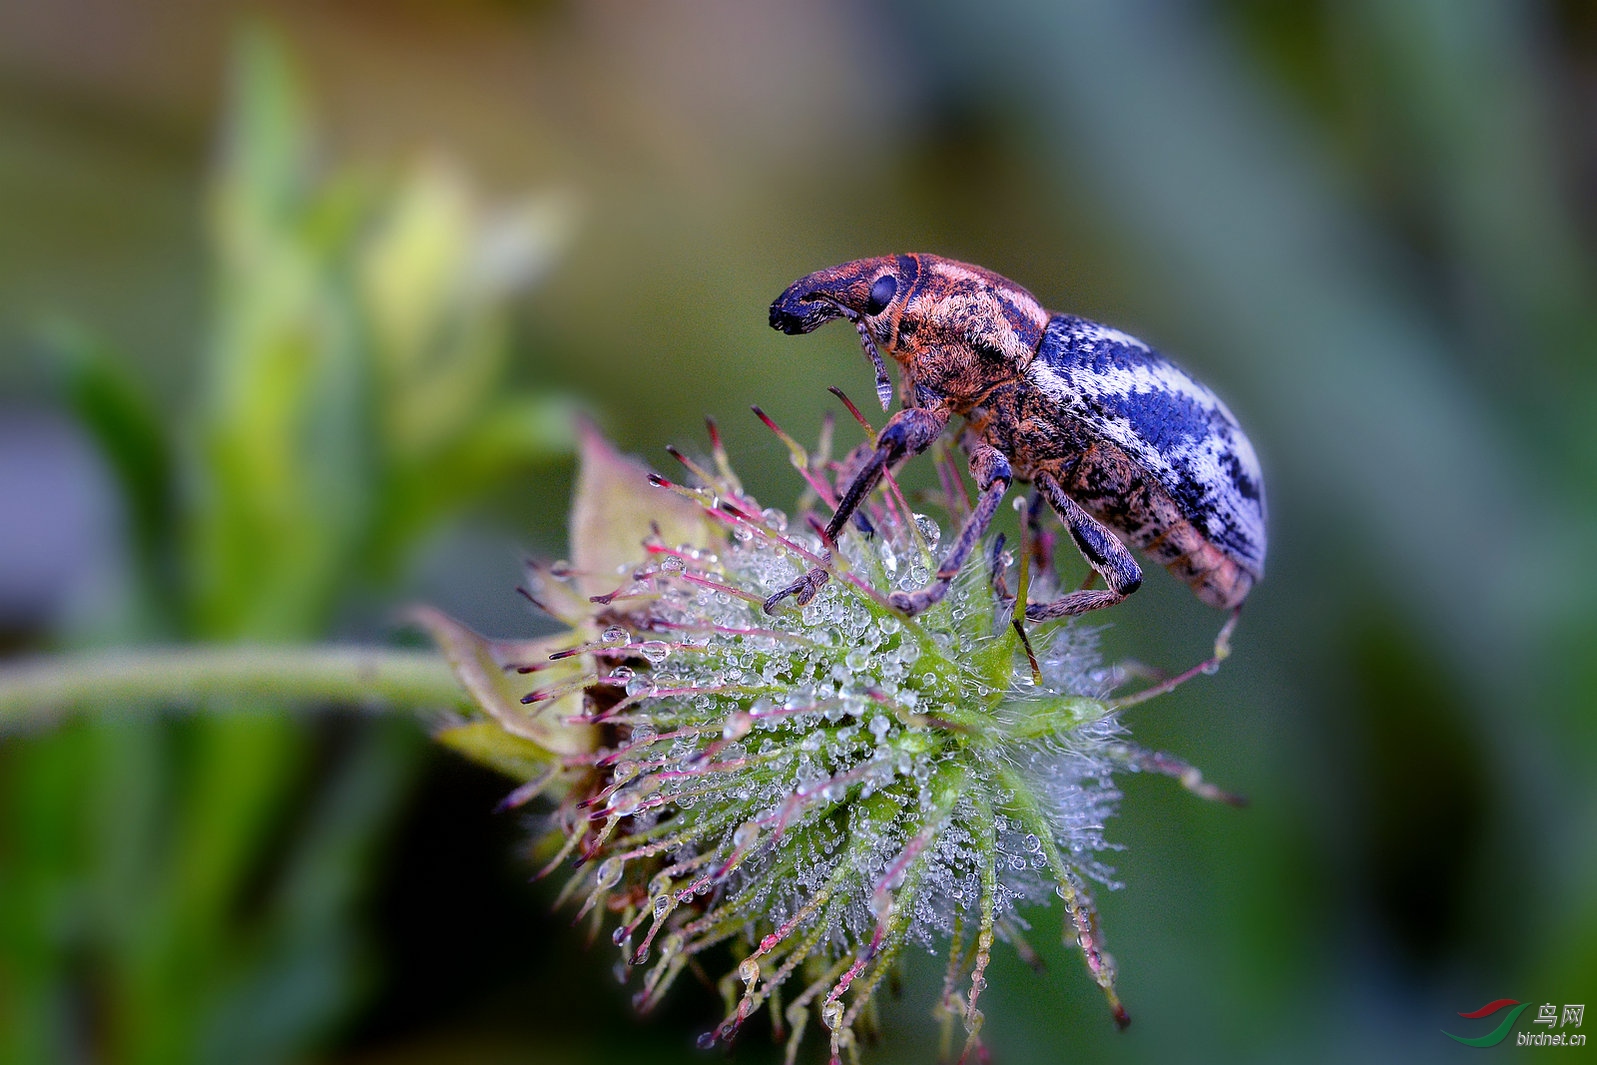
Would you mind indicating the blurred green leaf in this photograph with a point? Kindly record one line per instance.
(266, 148)
(199, 884)
(124, 423)
(308, 957)
(284, 473)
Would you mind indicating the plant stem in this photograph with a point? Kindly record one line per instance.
(35, 692)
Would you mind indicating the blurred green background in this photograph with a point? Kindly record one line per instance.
(297, 302)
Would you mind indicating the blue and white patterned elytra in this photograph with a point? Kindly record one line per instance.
(1173, 426)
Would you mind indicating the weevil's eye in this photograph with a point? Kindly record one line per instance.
(881, 294)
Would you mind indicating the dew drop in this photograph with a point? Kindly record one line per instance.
(673, 564)
(608, 874)
(615, 634)
(655, 651)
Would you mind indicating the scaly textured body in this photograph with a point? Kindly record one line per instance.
(1121, 442)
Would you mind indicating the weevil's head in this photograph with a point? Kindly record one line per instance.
(957, 329)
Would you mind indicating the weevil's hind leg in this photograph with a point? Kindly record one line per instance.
(1039, 537)
(1103, 551)
(993, 478)
(909, 432)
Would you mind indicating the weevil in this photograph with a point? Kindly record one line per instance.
(1125, 446)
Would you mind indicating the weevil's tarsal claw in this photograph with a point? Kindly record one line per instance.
(913, 603)
(800, 591)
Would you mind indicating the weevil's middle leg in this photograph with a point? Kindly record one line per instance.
(1103, 551)
(993, 478)
(909, 432)
(1039, 537)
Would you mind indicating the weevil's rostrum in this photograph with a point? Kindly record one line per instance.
(1121, 442)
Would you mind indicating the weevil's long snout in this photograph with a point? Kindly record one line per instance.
(805, 306)
(841, 291)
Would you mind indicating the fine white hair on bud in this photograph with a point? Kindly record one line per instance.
(809, 793)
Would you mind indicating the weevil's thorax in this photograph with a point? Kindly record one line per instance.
(961, 332)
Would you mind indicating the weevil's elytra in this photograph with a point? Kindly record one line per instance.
(1124, 445)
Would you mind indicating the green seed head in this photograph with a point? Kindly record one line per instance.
(812, 792)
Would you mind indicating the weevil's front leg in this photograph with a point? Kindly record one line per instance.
(909, 432)
(1103, 551)
(993, 477)
(852, 463)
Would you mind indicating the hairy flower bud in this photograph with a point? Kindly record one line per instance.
(819, 789)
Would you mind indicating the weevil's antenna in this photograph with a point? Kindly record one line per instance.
(884, 384)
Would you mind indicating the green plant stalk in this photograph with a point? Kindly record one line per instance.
(35, 692)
